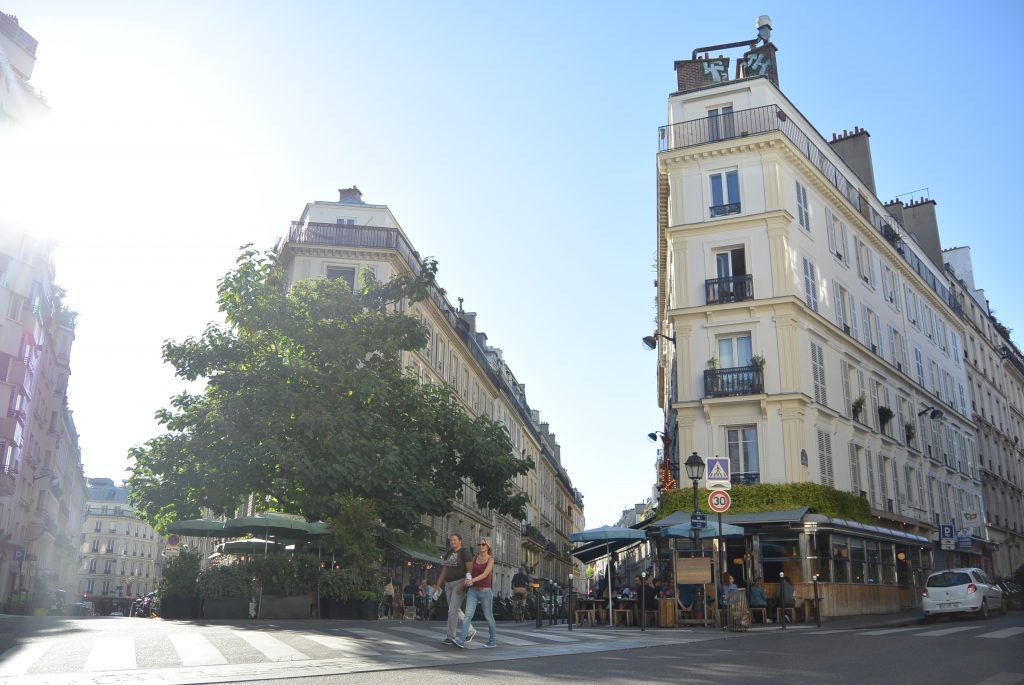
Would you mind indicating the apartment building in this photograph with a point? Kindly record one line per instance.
(805, 331)
(20, 103)
(995, 375)
(121, 556)
(42, 491)
(342, 239)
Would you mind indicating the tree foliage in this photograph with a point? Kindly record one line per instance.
(305, 403)
(749, 499)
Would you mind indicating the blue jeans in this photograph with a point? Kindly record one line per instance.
(485, 598)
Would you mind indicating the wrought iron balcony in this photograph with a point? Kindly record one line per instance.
(741, 380)
(724, 210)
(752, 478)
(729, 289)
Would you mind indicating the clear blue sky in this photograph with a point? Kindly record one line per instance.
(515, 143)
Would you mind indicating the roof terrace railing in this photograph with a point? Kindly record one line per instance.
(757, 120)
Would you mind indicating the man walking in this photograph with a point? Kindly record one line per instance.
(456, 568)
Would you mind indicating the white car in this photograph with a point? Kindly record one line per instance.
(961, 591)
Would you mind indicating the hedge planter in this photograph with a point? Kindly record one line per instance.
(179, 607)
(368, 609)
(342, 610)
(227, 608)
(279, 606)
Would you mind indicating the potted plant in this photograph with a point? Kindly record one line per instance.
(884, 416)
(713, 363)
(178, 589)
(285, 585)
(757, 361)
(858, 407)
(910, 431)
(225, 591)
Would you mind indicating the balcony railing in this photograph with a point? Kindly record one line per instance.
(741, 380)
(729, 289)
(758, 120)
(752, 478)
(724, 210)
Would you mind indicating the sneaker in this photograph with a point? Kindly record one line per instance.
(448, 641)
(460, 644)
(490, 645)
(770, 621)
(471, 635)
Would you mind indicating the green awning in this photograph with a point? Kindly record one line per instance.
(414, 554)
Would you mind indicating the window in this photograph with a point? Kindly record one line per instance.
(108, 566)
(846, 315)
(106, 587)
(15, 307)
(889, 290)
(911, 300)
(92, 566)
(345, 273)
(919, 366)
(725, 193)
(734, 351)
(95, 545)
(855, 451)
(883, 485)
(720, 123)
(741, 443)
(825, 458)
(345, 221)
(99, 527)
(818, 373)
(810, 285)
(802, 208)
(865, 263)
(89, 586)
(837, 240)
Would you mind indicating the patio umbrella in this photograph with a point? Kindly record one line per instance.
(683, 530)
(250, 546)
(197, 528)
(608, 535)
(268, 523)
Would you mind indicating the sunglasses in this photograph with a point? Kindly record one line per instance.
(482, 544)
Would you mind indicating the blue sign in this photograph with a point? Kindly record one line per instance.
(946, 531)
(963, 540)
(698, 520)
(19, 555)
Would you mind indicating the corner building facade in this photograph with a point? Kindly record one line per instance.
(341, 240)
(815, 339)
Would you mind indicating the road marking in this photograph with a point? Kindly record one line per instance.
(540, 636)
(889, 631)
(345, 645)
(17, 660)
(1005, 632)
(381, 637)
(946, 631)
(195, 650)
(832, 632)
(111, 654)
(268, 645)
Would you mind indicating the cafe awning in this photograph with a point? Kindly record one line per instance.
(414, 554)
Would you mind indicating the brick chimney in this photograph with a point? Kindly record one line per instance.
(350, 196)
(855, 149)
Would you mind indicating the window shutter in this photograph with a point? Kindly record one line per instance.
(818, 373)
(825, 458)
(837, 293)
(810, 285)
(871, 476)
(831, 230)
(845, 243)
(853, 318)
(854, 470)
(844, 367)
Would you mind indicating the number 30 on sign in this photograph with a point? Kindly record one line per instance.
(719, 501)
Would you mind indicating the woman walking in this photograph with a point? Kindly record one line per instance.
(479, 592)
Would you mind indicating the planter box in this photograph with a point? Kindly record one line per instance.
(179, 607)
(342, 610)
(227, 608)
(368, 609)
(279, 606)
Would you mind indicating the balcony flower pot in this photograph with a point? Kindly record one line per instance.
(884, 416)
(857, 407)
(910, 431)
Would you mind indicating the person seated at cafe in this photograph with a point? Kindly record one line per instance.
(728, 585)
(788, 598)
(756, 596)
(684, 597)
(665, 590)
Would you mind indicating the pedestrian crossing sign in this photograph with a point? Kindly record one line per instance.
(717, 476)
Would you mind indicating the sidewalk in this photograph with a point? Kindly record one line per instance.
(906, 617)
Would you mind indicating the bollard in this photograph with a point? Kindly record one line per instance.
(817, 602)
(781, 602)
(643, 593)
(570, 614)
(539, 615)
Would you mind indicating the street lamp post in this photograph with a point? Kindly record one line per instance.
(695, 471)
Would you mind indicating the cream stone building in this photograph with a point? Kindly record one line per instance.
(341, 240)
(20, 103)
(42, 491)
(806, 329)
(121, 556)
(995, 375)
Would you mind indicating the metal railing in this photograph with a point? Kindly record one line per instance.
(724, 210)
(758, 120)
(729, 289)
(751, 478)
(741, 380)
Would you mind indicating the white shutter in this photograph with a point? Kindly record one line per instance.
(874, 404)
(871, 476)
(844, 242)
(837, 294)
(810, 285)
(871, 267)
(853, 318)
(831, 231)
(896, 488)
(825, 458)
(818, 373)
(854, 470)
(844, 367)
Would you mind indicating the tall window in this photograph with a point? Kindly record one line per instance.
(346, 273)
(818, 373)
(846, 312)
(741, 443)
(734, 351)
(720, 123)
(803, 211)
(855, 451)
(825, 458)
(919, 366)
(810, 284)
(725, 193)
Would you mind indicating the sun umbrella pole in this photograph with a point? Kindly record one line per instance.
(607, 548)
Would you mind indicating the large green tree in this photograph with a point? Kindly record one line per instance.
(306, 404)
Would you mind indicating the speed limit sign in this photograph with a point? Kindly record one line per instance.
(719, 501)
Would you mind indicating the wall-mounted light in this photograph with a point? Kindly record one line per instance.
(651, 341)
(934, 413)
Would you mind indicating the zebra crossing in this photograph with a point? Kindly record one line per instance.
(173, 653)
(970, 631)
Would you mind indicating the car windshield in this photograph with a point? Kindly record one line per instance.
(948, 579)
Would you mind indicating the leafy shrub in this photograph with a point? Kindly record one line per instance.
(180, 575)
(749, 499)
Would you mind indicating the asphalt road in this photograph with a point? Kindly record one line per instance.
(122, 650)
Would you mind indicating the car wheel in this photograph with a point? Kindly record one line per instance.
(984, 609)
